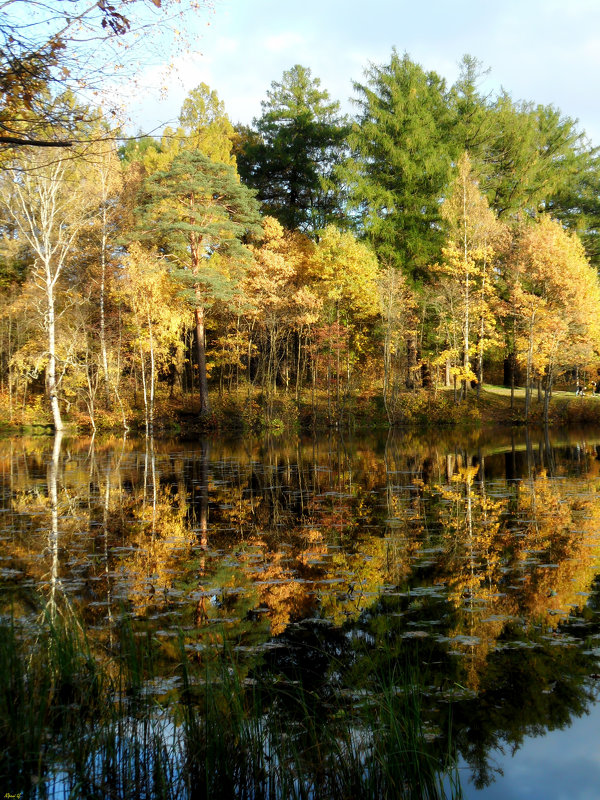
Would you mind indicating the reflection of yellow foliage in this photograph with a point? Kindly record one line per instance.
(285, 597)
(527, 555)
(307, 556)
(162, 539)
(465, 475)
(529, 552)
(313, 535)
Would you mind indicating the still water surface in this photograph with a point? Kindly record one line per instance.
(475, 557)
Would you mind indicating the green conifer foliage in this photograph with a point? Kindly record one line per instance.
(198, 212)
(292, 157)
(402, 158)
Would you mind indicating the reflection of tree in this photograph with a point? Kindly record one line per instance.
(526, 684)
(159, 537)
(525, 553)
(419, 550)
(53, 530)
(323, 502)
(521, 696)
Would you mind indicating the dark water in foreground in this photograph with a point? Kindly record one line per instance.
(475, 557)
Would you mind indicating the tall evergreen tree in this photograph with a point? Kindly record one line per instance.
(292, 155)
(402, 159)
(534, 154)
(473, 124)
(199, 212)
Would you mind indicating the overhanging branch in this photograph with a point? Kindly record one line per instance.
(15, 141)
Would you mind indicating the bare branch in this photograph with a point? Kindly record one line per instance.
(15, 140)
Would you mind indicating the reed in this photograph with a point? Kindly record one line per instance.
(80, 724)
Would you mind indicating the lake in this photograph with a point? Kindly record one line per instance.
(471, 559)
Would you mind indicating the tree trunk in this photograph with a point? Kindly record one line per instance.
(480, 343)
(51, 371)
(299, 365)
(152, 372)
(201, 352)
(411, 361)
(466, 359)
(507, 371)
(337, 355)
(144, 390)
(548, 395)
(426, 375)
(102, 308)
(529, 365)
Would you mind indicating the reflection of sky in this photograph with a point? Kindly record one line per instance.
(562, 765)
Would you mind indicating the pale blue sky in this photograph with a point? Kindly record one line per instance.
(546, 51)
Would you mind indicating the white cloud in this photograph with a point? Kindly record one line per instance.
(226, 45)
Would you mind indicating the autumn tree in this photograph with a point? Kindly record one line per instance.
(528, 157)
(344, 273)
(203, 126)
(556, 296)
(397, 305)
(206, 126)
(101, 248)
(49, 201)
(278, 300)
(155, 317)
(472, 233)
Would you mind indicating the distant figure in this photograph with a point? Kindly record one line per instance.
(594, 386)
(579, 390)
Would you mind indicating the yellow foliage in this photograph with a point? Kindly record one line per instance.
(556, 294)
(345, 273)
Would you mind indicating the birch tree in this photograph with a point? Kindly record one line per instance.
(49, 202)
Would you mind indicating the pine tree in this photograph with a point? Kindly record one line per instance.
(198, 212)
(292, 156)
(402, 159)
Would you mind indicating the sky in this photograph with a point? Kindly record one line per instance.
(544, 51)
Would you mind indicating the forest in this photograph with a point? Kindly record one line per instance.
(273, 573)
(309, 267)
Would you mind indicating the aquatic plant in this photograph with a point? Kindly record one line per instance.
(91, 724)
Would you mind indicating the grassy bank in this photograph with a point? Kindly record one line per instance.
(493, 405)
(85, 721)
(254, 412)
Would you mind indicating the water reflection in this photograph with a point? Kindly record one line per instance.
(53, 529)
(475, 560)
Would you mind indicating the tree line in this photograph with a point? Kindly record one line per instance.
(436, 237)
